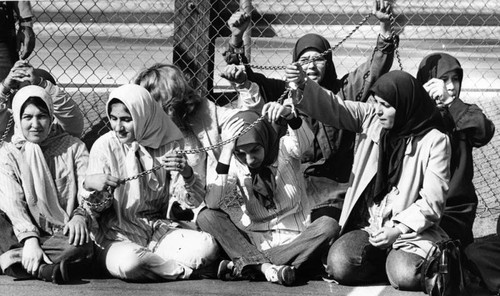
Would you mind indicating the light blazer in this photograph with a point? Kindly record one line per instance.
(422, 188)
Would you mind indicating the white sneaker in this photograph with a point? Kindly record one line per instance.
(281, 274)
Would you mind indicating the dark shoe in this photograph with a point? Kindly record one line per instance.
(225, 271)
(282, 274)
(52, 273)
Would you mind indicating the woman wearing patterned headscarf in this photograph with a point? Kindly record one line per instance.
(398, 184)
(261, 192)
(138, 242)
(41, 175)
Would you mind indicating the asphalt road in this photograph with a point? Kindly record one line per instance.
(112, 287)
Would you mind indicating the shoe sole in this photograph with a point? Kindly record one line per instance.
(286, 275)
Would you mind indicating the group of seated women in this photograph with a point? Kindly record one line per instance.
(260, 211)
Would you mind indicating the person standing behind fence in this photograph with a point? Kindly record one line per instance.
(66, 111)
(12, 46)
(44, 231)
(199, 119)
(400, 178)
(329, 161)
(468, 127)
(138, 243)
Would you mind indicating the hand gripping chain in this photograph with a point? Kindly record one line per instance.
(108, 195)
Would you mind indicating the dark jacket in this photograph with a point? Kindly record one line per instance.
(467, 127)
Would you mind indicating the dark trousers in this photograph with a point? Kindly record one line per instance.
(56, 246)
(352, 260)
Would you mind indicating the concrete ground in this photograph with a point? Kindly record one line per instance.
(115, 62)
(111, 287)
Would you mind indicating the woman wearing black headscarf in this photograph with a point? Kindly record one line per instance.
(329, 160)
(258, 209)
(399, 180)
(441, 75)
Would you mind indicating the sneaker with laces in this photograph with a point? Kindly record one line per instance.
(281, 274)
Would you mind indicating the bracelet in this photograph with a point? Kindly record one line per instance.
(26, 22)
(6, 90)
(80, 211)
(222, 168)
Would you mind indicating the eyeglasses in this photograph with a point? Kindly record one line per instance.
(317, 60)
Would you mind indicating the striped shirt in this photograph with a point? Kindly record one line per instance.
(132, 218)
(274, 227)
(66, 158)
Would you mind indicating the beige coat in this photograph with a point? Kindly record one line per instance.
(419, 198)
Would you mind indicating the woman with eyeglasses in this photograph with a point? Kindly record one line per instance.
(327, 165)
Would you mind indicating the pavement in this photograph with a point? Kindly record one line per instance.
(99, 55)
(112, 287)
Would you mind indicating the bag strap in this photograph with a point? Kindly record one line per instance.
(429, 282)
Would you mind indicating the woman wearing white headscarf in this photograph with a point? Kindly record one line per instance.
(139, 243)
(41, 176)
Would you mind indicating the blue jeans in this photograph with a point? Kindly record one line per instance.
(352, 260)
(311, 243)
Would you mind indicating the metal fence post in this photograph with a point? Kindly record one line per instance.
(193, 50)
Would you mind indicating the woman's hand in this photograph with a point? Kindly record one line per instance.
(438, 92)
(385, 237)
(275, 111)
(295, 74)
(33, 255)
(382, 10)
(76, 230)
(21, 73)
(237, 75)
(100, 182)
(173, 161)
(232, 128)
(238, 23)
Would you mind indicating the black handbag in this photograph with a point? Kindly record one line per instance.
(442, 273)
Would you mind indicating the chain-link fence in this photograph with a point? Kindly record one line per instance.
(91, 46)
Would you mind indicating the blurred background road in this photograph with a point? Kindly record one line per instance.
(92, 46)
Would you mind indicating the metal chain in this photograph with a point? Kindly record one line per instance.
(198, 150)
(7, 129)
(107, 195)
(362, 22)
(396, 45)
(245, 130)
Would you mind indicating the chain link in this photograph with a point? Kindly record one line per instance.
(396, 45)
(108, 194)
(246, 129)
(198, 150)
(362, 22)
(7, 129)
